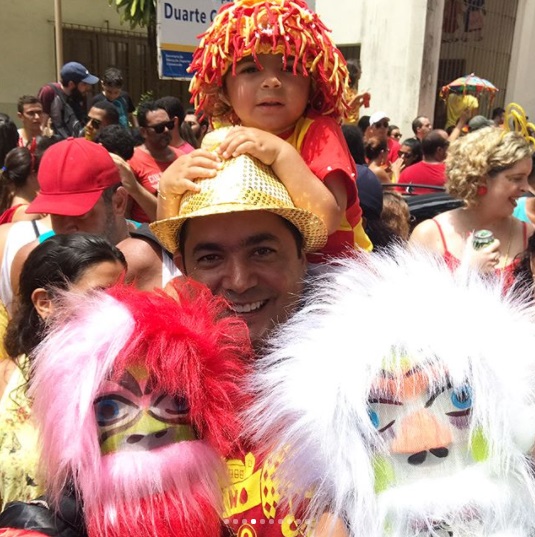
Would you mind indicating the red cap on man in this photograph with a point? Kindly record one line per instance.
(72, 176)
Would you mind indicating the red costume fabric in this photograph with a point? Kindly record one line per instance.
(148, 172)
(321, 143)
(507, 272)
(424, 173)
(251, 501)
(393, 148)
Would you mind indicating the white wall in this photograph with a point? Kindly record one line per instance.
(344, 18)
(521, 81)
(399, 54)
(27, 53)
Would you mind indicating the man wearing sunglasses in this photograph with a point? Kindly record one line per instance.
(101, 114)
(379, 123)
(154, 156)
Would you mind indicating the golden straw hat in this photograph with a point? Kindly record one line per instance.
(242, 184)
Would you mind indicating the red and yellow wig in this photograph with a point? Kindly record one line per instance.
(252, 27)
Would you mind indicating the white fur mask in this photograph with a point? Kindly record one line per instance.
(402, 399)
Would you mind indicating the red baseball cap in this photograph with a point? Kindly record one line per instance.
(72, 176)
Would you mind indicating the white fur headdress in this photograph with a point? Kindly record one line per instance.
(377, 318)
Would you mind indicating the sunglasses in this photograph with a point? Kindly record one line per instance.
(397, 135)
(404, 154)
(95, 123)
(383, 124)
(158, 129)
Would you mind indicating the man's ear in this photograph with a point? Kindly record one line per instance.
(179, 262)
(42, 303)
(120, 201)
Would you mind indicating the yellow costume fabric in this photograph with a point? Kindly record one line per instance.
(455, 106)
(19, 453)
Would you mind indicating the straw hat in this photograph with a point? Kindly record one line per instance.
(242, 184)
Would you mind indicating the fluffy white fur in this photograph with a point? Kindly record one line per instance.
(314, 384)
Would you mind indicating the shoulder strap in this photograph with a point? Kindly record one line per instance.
(441, 235)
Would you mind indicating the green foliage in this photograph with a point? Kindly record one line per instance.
(136, 12)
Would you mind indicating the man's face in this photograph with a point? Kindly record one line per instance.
(424, 128)
(31, 117)
(83, 87)
(157, 133)
(97, 118)
(251, 259)
(193, 122)
(379, 129)
(100, 220)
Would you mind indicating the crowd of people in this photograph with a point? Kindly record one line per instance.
(167, 273)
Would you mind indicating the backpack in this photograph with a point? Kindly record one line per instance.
(70, 123)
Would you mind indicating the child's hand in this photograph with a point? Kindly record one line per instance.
(260, 144)
(179, 177)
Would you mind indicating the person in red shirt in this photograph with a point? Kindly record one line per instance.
(432, 169)
(152, 157)
(379, 123)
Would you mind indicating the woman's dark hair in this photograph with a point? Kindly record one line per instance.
(53, 265)
(523, 276)
(416, 148)
(9, 136)
(373, 148)
(187, 135)
(18, 165)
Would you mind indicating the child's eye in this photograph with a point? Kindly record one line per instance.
(247, 69)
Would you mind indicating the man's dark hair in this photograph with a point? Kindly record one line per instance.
(9, 136)
(296, 234)
(112, 114)
(113, 77)
(117, 140)
(432, 141)
(416, 124)
(202, 118)
(355, 142)
(354, 70)
(144, 108)
(498, 111)
(26, 99)
(173, 107)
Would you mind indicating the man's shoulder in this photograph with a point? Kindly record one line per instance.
(98, 98)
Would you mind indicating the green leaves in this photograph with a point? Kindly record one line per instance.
(136, 12)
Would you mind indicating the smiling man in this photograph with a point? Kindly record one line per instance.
(242, 236)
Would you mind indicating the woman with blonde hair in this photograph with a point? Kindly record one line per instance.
(488, 169)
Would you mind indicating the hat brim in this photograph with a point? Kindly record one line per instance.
(310, 226)
(91, 79)
(68, 204)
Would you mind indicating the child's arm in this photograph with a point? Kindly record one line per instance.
(178, 178)
(327, 199)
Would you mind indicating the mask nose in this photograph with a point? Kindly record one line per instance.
(420, 432)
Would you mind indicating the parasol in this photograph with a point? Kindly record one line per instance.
(469, 84)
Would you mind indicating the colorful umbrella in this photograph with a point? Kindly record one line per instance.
(471, 84)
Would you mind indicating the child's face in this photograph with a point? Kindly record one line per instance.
(272, 98)
(111, 92)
